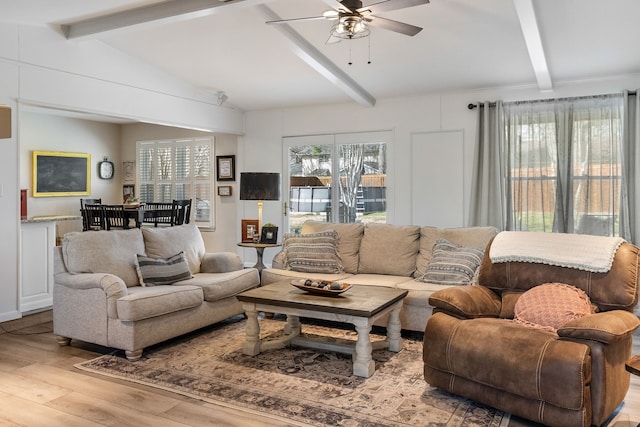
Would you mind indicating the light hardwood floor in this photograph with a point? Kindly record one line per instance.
(40, 387)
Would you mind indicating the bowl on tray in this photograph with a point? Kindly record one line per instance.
(321, 287)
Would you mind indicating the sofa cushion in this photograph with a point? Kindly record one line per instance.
(112, 252)
(152, 301)
(349, 238)
(389, 249)
(162, 271)
(217, 286)
(163, 242)
(314, 253)
(452, 264)
(549, 306)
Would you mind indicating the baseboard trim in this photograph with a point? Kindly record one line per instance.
(26, 321)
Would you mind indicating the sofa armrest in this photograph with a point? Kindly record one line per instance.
(606, 327)
(278, 261)
(220, 262)
(469, 301)
(114, 287)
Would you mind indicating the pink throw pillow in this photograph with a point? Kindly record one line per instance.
(549, 306)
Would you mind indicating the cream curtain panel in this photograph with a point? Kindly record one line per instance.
(566, 165)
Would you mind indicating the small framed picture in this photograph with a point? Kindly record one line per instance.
(128, 171)
(269, 235)
(226, 168)
(250, 232)
(128, 192)
(224, 190)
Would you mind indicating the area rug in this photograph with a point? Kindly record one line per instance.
(301, 386)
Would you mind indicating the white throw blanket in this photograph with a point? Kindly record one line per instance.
(579, 251)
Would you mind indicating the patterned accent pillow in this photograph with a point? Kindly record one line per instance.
(312, 253)
(452, 264)
(162, 271)
(550, 305)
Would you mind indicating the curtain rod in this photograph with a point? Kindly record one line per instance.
(493, 104)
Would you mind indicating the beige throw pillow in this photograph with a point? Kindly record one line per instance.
(312, 253)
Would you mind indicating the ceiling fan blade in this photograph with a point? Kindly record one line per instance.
(336, 5)
(387, 5)
(332, 39)
(286, 21)
(398, 27)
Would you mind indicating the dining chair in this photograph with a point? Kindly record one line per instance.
(159, 213)
(85, 224)
(182, 211)
(115, 217)
(92, 217)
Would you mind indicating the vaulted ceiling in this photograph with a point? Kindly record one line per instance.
(226, 46)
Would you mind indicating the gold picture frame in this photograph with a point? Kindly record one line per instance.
(57, 174)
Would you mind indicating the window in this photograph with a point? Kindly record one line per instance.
(356, 161)
(178, 169)
(564, 169)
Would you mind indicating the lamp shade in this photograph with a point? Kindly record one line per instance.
(259, 186)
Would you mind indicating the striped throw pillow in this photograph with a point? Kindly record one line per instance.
(162, 271)
(312, 253)
(452, 264)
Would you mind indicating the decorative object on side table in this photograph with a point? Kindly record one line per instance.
(269, 233)
(249, 230)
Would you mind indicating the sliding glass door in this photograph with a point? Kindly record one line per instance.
(336, 178)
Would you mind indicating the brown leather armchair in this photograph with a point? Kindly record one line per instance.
(576, 377)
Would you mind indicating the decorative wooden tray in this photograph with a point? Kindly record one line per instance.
(315, 288)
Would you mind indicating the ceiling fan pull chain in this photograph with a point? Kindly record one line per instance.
(350, 52)
(369, 61)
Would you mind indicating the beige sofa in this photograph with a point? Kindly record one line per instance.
(385, 255)
(97, 296)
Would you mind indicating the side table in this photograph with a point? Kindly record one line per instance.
(633, 366)
(259, 247)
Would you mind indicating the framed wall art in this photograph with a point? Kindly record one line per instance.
(61, 174)
(128, 171)
(128, 192)
(226, 168)
(224, 190)
(250, 231)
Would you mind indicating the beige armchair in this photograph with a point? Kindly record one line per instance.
(572, 377)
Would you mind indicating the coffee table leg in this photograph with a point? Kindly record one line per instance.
(293, 325)
(394, 338)
(363, 364)
(251, 345)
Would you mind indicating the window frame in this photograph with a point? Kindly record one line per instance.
(191, 181)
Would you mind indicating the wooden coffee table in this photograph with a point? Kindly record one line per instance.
(361, 306)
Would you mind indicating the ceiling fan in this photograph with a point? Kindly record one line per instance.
(353, 19)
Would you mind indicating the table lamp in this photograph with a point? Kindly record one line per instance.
(259, 186)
